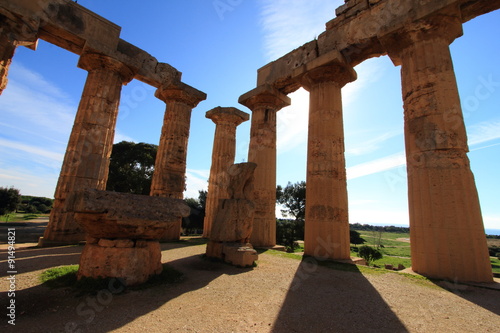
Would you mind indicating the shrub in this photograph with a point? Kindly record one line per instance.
(369, 254)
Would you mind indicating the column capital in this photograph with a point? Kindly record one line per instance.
(445, 26)
(227, 115)
(338, 72)
(91, 61)
(265, 96)
(180, 92)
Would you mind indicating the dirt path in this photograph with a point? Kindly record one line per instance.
(280, 295)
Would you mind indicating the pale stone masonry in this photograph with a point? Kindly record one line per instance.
(264, 102)
(226, 120)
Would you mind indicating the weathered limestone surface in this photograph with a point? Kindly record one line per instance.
(123, 232)
(106, 214)
(264, 102)
(447, 233)
(223, 154)
(86, 162)
(232, 226)
(327, 224)
(170, 166)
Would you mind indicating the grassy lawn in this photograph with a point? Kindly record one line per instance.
(20, 217)
(495, 264)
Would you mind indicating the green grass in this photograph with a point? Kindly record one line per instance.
(58, 277)
(495, 264)
(66, 276)
(396, 251)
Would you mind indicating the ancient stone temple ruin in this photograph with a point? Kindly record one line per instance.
(447, 233)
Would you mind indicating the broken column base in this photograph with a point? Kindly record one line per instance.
(132, 261)
(236, 254)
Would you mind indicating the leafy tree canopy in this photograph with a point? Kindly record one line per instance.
(355, 237)
(9, 199)
(131, 167)
(293, 199)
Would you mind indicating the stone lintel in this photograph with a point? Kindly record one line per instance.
(357, 36)
(106, 214)
(180, 92)
(265, 95)
(75, 28)
(227, 114)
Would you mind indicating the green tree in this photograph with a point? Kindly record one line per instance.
(9, 199)
(196, 217)
(131, 167)
(369, 254)
(293, 199)
(355, 237)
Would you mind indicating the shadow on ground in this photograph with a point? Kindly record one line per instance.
(63, 310)
(485, 297)
(352, 303)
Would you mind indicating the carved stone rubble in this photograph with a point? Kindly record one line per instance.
(232, 227)
(123, 232)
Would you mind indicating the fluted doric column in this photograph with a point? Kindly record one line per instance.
(264, 101)
(326, 221)
(447, 232)
(86, 163)
(170, 166)
(13, 34)
(223, 154)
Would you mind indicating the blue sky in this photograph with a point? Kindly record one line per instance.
(219, 45)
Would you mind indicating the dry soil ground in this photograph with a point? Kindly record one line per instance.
(279, 295)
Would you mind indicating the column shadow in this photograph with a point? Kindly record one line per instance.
(486, 296)
(321, 299)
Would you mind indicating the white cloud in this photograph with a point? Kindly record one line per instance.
(292, 122)
(119, 137)
(483, 132)
(32, 150)
(196, 180)
(371, 145)
(376, 166)
(287, 24)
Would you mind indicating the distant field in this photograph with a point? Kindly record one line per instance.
(396, 248)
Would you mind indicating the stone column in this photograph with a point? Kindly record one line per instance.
(264, 101)
(447, 232)
(170, 166)
(223, 154)
(86, 162)
(326, 221)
